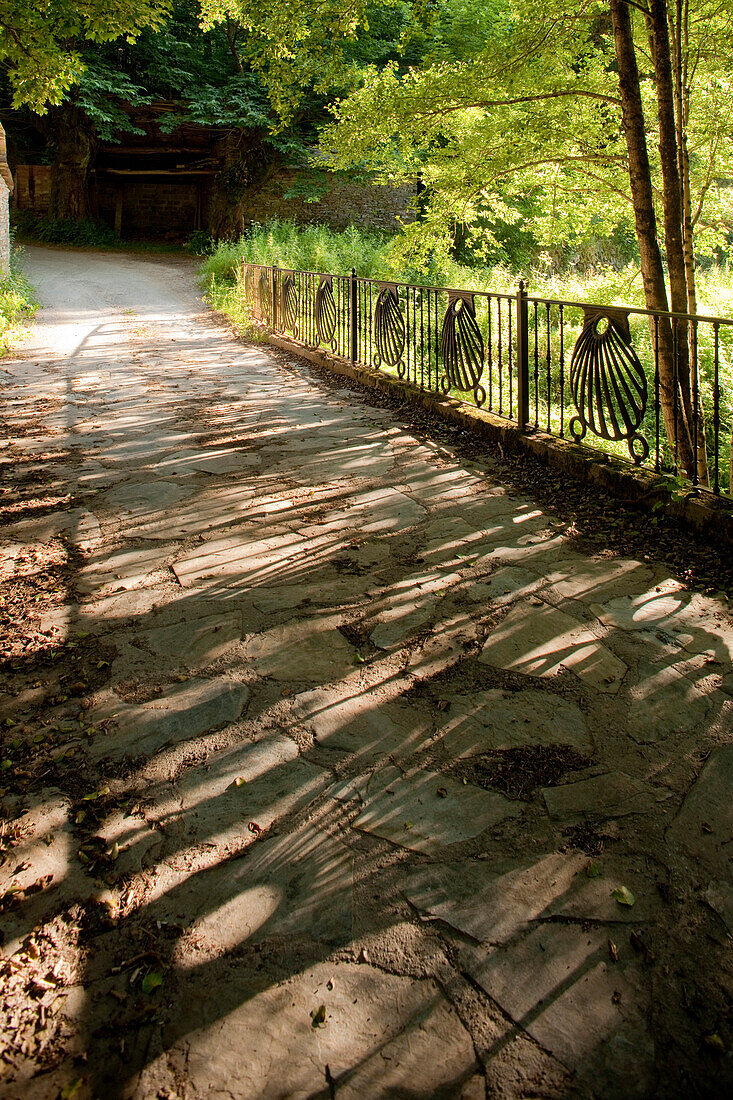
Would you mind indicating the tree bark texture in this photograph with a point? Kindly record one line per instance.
(76, 148)
(652, 268)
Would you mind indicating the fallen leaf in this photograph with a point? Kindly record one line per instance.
(593, 870)
(239, 781)
(623, 896)
(442, 792)
(318, 1016)
(151, 981)
(69, 1090)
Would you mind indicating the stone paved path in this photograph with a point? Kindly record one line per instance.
(362, 750)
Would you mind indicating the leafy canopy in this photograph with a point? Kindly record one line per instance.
(42, 41)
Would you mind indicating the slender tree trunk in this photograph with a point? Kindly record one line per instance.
(670, 155)
(76, 148)
(679, 28)
(652, 269)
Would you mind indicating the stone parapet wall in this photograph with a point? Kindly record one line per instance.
(371, 206)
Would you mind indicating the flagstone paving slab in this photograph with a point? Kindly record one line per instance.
(498, 719)
(559, 983)
(184, 711)
(298, 885)
(425, 811)
(492, 900)
(308, 650)
(362, 723)
(380, 1031)
(537, 639)
(612, 794)
(272, 796)
(197, 641)
(704, 825)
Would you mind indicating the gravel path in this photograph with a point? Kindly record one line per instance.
(330, 765)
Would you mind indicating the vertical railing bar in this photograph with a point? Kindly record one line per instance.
(499, 356)
(536, 371)
(562, 371)
(675, 400)
(716, 411)
(657, 464)
(695, 404)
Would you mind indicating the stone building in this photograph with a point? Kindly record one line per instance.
(6, 188)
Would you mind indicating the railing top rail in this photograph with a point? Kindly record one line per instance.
(631, 309)
(505, 296)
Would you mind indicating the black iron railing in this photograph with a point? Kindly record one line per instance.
(652, 386)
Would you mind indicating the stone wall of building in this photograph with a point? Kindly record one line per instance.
(156, 208)
(172, 208)
(6, 187)
(343, 204)
(4, 229)
(33, 187)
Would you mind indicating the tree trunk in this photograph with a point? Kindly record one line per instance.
(244, 161)
(76, 148)
(655, 290)
(679, 28)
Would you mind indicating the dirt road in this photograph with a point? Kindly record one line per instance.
(330, 766)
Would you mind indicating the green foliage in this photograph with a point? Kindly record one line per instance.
(18, 303)
(41, 45)
(73, 231)
(304, 248)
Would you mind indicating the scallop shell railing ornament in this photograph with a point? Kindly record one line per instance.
(608, 382)
(289, 299)
(250, 287)
(462, 348)
(389, 329)
(264, 294)
(326, 312)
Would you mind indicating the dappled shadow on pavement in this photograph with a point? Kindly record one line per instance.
(339, 769)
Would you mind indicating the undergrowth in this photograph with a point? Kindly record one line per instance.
(18, 304)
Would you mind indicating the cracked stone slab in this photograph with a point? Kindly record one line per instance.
(492, 901)
(537, 640)
(409, 811)
(664, 702)
(704, 825)
(246, 558)
(208, 460)
(307, 650)
(613, 794)
(410, 605)
(498, 719)
(256, 782)
(295, 885)
(559, 984)
(504, 586)
(185, 712)
(197, 641)
(579, 578)
(379, 511)
(362, 723)
(121, 570)
(382, 1034)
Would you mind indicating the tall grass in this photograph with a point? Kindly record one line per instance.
(18, 304)
(317, 248)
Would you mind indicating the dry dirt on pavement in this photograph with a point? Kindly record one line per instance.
(331, 765)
